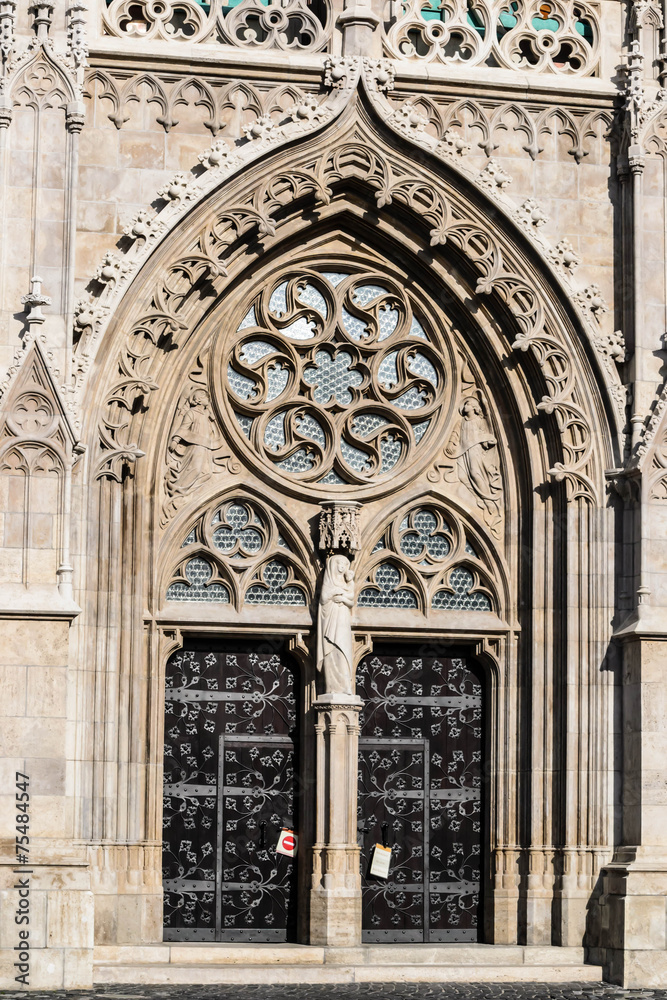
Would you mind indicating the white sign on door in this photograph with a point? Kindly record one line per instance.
(380, 861)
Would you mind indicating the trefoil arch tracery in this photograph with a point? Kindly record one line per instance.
(238, 552)
(426, 559)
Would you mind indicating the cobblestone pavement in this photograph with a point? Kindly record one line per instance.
(363, 991)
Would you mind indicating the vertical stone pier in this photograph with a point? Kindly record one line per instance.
(335, 898)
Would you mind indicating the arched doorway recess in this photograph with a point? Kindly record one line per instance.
(348, 357)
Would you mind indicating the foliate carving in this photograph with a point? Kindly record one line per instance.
(339, 527)
(379, 74)
(335, 658)
(558, 37)
(7, 20)
(250, 24)
(408, 119)
(564, 257)
(453, 144)
(77, 46)
(179, 187)
(262, 128)
(140, 226)
(308, 109)
(612, 345)
(341, 72)
(332, 379)
(238, 552)
(426, 560)
(493, 177)
(218, 155)
(110, 269)
(592, 301)
(531, 214)
(473, 446)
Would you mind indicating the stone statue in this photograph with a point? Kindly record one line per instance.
(334, 626)
(190, 450)
(473, 445)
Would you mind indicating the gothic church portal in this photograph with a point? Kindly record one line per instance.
(333, 475)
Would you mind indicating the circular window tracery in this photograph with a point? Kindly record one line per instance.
(333, 380)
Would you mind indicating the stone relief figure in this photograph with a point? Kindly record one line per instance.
(474, 447)
(193, 441)
(334, 626)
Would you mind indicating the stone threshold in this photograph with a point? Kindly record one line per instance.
(292, 963)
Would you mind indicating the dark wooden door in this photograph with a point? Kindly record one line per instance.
(229, 764)
(420, 771)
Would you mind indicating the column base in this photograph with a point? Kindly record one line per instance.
(335, 917)
(634, 922)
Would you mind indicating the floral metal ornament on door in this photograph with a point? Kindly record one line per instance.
(420, 768)
(336, 379)
(230, 717)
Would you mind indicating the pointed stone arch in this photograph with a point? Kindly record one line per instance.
(356, 175)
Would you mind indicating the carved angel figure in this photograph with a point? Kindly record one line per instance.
(474, 447)
(193, 441)
(334, 626)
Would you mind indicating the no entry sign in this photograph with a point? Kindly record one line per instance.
(287, 843)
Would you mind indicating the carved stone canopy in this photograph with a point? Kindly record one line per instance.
(339, 526)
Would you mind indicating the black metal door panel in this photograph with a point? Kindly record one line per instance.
(228, 789)
(420, 761)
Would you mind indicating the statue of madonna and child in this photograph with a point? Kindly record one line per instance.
(335, 659)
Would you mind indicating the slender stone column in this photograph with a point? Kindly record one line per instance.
(335, 898)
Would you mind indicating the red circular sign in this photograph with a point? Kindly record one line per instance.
(288, 843)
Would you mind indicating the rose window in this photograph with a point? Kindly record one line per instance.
(332, 378)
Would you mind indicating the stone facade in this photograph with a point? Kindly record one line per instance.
(192, 193)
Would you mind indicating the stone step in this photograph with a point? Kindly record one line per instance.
(199, 964)
(217, 974)
(372, 954)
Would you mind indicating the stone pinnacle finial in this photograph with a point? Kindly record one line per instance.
(34, 301)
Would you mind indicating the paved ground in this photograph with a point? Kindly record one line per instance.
(362, 991)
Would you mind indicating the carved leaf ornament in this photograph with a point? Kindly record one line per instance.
(332, 379)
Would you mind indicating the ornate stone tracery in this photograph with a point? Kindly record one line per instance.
(557, 37)
(238, 552)
(333, 379)
(426, 560)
